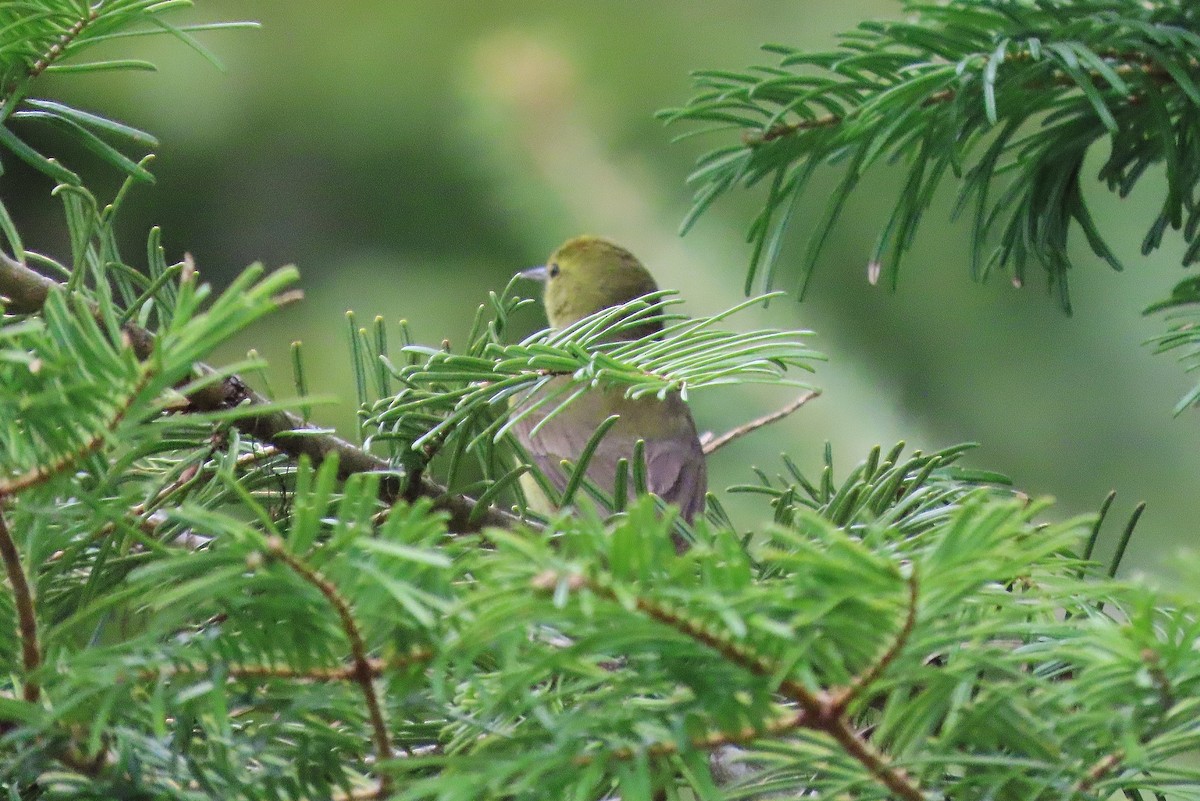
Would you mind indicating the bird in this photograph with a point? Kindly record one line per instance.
(585, 275)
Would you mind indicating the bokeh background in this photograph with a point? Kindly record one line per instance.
(410, 156)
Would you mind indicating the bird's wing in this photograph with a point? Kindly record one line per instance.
(676, 472)
(675, 469)
(548, 449)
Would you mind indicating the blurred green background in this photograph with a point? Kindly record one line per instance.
(409, 157)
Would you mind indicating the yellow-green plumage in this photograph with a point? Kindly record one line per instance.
(583, 276)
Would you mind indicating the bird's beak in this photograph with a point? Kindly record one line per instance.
(534, 273)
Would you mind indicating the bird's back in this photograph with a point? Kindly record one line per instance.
(675, 469)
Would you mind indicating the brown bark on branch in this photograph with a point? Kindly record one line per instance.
(25, 291)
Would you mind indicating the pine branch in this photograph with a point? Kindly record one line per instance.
(911, 493)
(1008, 97)
(31, 656)
(26, 291)
(148, 517)
(1124, 65)
(44, 472)
(363, 672)
(58, 48)
(35, 40)
(821, 710)
(842, 698)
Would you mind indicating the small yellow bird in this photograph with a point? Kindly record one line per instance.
(583, 276)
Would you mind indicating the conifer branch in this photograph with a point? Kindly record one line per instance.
(895, 779)
(56, 50)
(363, 674)
(31, 656)
(1008, 98)
(42, 473)
(734, 652)
(818, 709)
(146, 517)
(844, 697)
(26, 292)
(1133, 64)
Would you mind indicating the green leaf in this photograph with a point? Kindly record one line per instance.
(111, 65)
(88, 119)
(35, 159)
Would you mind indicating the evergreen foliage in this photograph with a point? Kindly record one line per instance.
(206, 598)
(1007, 96)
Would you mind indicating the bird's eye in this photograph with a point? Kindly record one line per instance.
(553, 270)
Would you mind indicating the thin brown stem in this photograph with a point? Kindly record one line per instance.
(56, 50)
(1098, 771)
(780, 130)
(363, 674)
(895, 779)
(31, 655)
(43, 473)
(26, 291)
(860, 682)
(734, 652)
(144, 514)
(716, 443)
(1162, 682)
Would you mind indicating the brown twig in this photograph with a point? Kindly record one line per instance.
(1098, 771)
(1162, 682)
(44, 472)
(56, 50)
(895, 779)
(23, 597)
(860, 682)
(818, 711)
(27, 291)
(31, 655)
(717, 443)
(363, 674)
(146, 515)
(734, 652)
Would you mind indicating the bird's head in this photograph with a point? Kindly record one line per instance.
(587, 274)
